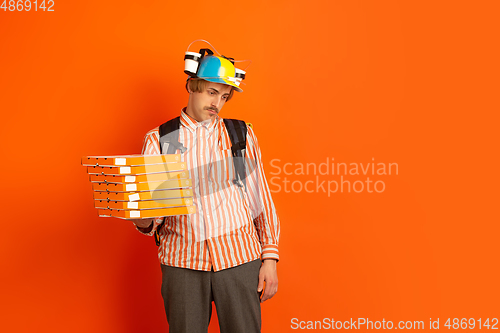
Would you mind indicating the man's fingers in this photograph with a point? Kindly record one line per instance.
(270, 291)
(268, 280)
(267, 295)
(261, 284)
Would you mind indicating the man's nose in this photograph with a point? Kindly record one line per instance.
(216, 102)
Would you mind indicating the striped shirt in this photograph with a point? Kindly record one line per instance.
(232, 225)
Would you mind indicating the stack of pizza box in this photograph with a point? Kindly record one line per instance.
(140, 186)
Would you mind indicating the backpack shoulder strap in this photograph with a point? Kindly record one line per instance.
(169, 137)
(237, 130)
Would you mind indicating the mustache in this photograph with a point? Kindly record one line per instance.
(211, 108)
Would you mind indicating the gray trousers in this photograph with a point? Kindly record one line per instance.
(188, 295)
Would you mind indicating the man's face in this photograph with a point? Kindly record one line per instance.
(208, 103)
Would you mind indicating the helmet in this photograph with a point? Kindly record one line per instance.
(219, 70)
(207, 66)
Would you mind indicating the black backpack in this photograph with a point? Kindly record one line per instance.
(237, 130)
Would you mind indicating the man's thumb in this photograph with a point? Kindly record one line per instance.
(260, 286)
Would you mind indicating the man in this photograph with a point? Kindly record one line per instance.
(227, 251)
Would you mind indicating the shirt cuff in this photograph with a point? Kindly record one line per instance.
(270, 251)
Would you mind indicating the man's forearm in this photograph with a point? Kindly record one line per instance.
(270, 260)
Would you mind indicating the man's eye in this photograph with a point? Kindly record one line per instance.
(224, 97)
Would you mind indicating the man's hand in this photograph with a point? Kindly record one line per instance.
(142, 223)
(269, 275)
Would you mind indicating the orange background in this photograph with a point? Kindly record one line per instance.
(412, 83)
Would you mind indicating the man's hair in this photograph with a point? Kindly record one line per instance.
(199, 85)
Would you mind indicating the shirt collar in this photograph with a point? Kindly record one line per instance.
(192, 124)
